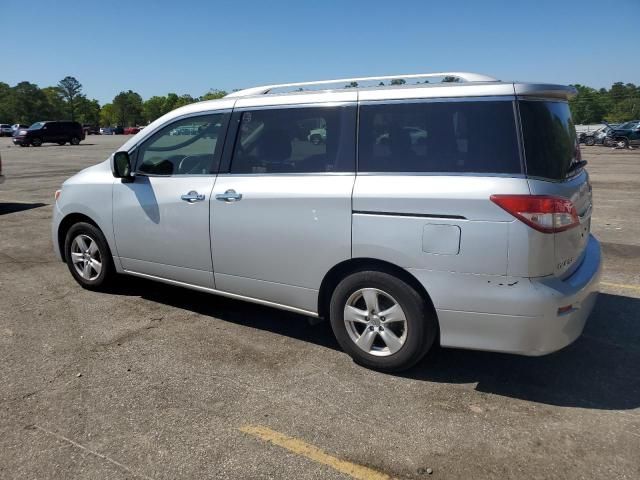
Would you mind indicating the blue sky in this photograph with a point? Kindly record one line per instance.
(156, 47)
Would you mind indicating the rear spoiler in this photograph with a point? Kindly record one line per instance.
(543, 90)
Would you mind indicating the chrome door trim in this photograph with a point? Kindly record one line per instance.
(235, 296)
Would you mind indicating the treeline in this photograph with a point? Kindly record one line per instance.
(28, 103)
(618, 104)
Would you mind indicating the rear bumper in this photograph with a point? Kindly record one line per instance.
(515, 315)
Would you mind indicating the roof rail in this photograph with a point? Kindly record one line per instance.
(464, 76)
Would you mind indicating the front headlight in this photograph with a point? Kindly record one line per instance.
(22, 132)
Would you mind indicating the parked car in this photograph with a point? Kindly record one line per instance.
(5, 130)
(467, 235)
(131, 130)
(624, 135)
(596, 137)
(117, 130)
(18, 126)
(50, 132)
(91, 129)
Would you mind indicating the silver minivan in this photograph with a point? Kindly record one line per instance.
(455, 212)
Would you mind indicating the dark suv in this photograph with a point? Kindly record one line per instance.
(50, 132)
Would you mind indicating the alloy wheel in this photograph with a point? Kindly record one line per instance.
(375, 322)
(86, 257)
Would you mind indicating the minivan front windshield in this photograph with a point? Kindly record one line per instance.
(37, 126)
(550, 140)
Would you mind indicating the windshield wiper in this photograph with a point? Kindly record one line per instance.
(577, 165)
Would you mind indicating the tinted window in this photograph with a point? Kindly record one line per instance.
(185, 147)
(550, 140)
(296, 140)
(441, 137)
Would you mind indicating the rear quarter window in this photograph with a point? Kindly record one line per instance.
(550, 140)
(439, 137)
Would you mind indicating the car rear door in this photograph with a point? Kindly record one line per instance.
(554, 167)
(281, 213)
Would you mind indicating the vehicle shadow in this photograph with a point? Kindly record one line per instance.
(600, 370)
(6, 208)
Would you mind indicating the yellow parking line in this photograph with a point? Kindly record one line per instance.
(621, 285)
(313, 453)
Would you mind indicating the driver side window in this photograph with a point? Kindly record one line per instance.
(188, 146)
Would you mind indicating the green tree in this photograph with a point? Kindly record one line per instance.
(70, 92)
(213, 94)
(351, 85)
(127, 108)
(6, 112)
(56, 108)
(450, 79)
(88, 111)
(29, 103)
(107, 115)
(398, 81)
(153, 108)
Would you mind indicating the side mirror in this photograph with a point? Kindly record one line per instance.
(121, 165)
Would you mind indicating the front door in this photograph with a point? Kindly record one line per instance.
(281, 213)
(161, 219)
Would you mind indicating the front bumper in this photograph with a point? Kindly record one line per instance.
(19, 140)
(517, 315)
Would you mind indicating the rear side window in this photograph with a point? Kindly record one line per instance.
(439, 137)
(550, 141)
(296, 140)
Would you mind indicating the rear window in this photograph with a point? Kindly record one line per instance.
(550, 141)
(439, 137)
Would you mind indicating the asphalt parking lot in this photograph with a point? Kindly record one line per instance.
(156, 382)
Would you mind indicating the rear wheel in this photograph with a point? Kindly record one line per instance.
(88, 256)
(36, 142)
(381, 322)
(75, 141)
(590, 141)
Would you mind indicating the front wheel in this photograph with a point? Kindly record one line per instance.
(36, 142)
(75, 141)
(88, 256)
(622, 142)
(590, 141)
(381, 321)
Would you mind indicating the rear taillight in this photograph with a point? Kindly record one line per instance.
(544, 213)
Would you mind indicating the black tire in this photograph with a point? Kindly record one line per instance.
(74, 141)
(590, 141)
(107, 271)
(36, 142)
(421, 324)
(622, 142)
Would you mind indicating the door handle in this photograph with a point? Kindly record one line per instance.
(229, 196)
(193, 196)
